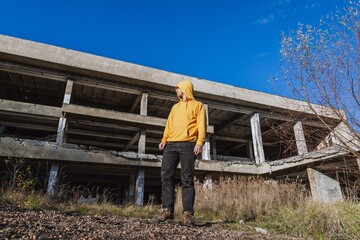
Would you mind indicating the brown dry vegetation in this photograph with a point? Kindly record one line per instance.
(243, 198)
(239, 203)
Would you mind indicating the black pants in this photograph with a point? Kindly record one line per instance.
(174, 153)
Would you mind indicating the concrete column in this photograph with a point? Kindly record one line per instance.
(140, 183)
(68, 91)
(53, 178)
(143, 111)
(206, 147)
(300, 138)
(60, 138)
(323, 188)
(208, 182)
(144, 104)
(61, 132)
(142, 141)
(257, 139)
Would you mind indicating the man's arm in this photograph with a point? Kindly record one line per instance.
(201, 125)
(166, 132)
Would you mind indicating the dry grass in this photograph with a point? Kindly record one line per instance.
(29, 200)
(281, 207)
(243, 198)
(67, 197)
(316, 221)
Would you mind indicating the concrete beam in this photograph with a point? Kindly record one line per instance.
(302, 160)
(232, 121)
(120, 116)
(29, 108)
(230, 139)
(233, 159)
(32, 149)
(225, 167)
(99, 134)
(135, 103)
(132, 141)
(108, 114)
(28, 126)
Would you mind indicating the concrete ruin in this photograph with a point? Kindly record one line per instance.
(96, 120)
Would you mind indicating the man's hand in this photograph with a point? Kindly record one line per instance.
(198, 149)
(162, 146)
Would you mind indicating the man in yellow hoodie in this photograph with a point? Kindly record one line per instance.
(183, 139)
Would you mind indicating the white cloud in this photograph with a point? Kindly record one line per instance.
(260, 55)
(266, 20)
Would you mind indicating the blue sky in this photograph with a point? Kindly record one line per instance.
(228, 41)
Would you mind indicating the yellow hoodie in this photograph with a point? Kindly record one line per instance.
(186, 121)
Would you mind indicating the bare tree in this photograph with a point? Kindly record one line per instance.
(322, 65)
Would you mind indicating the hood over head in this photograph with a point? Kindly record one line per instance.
(187, 88)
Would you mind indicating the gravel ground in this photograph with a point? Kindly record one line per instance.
(19, 223)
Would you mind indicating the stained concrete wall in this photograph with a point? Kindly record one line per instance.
(323, 188)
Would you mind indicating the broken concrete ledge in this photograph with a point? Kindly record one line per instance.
(44, 150)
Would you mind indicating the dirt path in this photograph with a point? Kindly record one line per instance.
(18, 223)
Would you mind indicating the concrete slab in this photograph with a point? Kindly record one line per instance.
(323, 188)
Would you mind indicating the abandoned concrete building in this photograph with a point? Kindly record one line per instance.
(90, 119)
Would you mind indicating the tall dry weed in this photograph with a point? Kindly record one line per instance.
(235, 198)
(316, 221)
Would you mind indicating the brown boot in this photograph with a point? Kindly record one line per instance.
(165, 215)
(188, 219)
